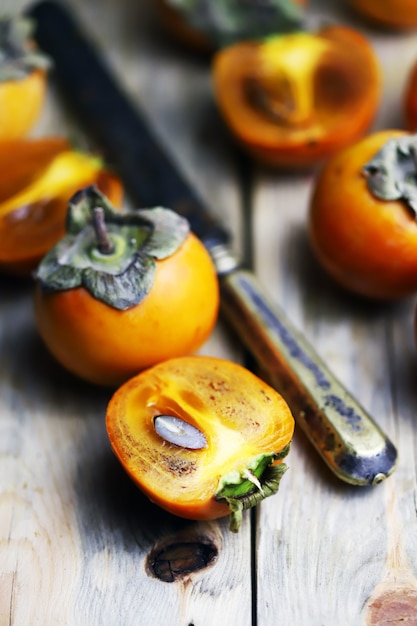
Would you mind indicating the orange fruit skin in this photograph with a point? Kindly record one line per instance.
(107, 346)
(410, 100)
(21, 103)
(183, 32)
(180, 30)
(391, 13)
(294, 147)
(367, 245)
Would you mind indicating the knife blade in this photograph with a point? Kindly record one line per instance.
(347, 438)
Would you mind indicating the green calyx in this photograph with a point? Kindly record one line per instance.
(392, 173)
(228, 21)
(246, 488)
(17, 57)
(111, 253)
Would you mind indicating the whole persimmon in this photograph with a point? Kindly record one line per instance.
(295, 99)
(180, 29)
(362, 216)
(23, 72)
(39, 176)
(205, 25)
(410, 99)
(202, 437)
(123, 290)
(391, 13)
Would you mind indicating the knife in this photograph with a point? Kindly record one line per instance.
(349, 441)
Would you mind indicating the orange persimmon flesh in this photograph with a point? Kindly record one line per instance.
(39, 177)
(315, 93)
(21, 102)
(239, 414)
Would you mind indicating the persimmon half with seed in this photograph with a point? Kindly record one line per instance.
(202, 437)
(123, 290)
(39, 176)
(363, 216)
(295, 99)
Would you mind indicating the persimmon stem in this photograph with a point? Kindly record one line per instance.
(105, 246)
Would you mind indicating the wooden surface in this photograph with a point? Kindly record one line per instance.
(77, 539)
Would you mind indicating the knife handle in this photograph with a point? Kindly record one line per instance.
(346, 437)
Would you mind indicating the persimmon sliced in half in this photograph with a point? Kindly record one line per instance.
(39, 176)
(295, 99)
(202, 437)
(23, 77)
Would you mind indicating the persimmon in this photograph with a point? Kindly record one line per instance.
(180, 29)
(23, 78)
(202, 437)
(296, 99)
(204, 25)
(392, 13)
(410, 99)
(362, 216)
(39, 176)
(123, 290)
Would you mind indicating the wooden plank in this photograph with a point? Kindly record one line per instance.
(329, 553)
(77, 538)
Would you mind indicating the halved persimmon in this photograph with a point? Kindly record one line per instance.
(363, 216)
(39, 176)
(295, 99)
(23, 76)
(202, 437)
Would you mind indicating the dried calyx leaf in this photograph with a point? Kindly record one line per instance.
(17, 56)
(122, 273)
(258, 480)
(392, 173)
(226, 21)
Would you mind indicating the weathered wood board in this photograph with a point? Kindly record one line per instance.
(77, 539)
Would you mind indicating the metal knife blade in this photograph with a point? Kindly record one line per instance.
(344, 434)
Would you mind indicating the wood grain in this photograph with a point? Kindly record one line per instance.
(339, 553)
(77, 539)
